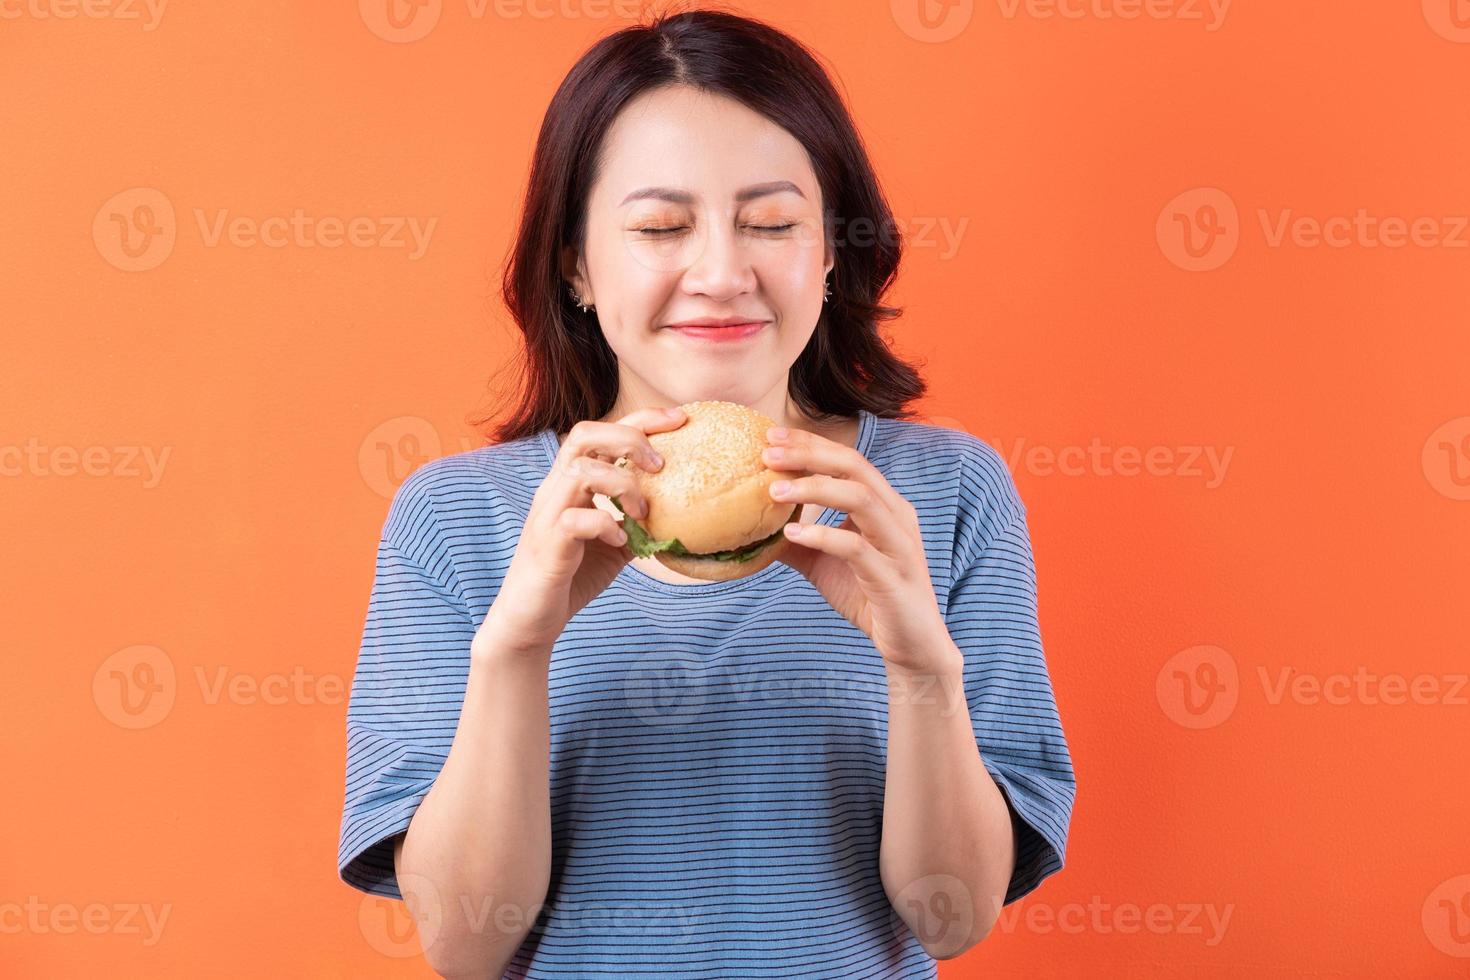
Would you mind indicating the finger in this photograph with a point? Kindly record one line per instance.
(585, 476)
(590, 524)
(802, 450)
(601, 440)
(849, 546)
(855, 499)
(654, 419)
(613, 440)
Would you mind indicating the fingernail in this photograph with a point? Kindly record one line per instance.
(775, 453)
(780, 487)
(777, 432)
(655, 459)
(673, 413)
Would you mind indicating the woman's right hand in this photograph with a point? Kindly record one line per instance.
(569, 549)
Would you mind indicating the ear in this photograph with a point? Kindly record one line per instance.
(572, 272)
(829, 248)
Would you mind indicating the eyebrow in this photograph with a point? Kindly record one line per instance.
(676, 196)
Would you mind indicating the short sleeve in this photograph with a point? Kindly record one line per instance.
(992, 617)
(406, 693)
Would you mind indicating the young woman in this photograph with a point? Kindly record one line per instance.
(575, 763)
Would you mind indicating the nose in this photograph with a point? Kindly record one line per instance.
(721, 269)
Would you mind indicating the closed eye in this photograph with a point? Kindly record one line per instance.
(669, 231)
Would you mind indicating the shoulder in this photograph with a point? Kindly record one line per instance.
(925, 461)
(501, 478)
(925, 454)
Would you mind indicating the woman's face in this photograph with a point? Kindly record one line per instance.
(703, 208)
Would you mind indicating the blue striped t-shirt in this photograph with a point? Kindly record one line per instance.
(717, 748)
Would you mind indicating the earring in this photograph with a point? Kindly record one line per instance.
(826, 290)
(576, 298)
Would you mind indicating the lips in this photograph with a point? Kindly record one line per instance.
(718, 330)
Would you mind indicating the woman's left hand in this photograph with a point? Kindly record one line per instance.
(871, 568)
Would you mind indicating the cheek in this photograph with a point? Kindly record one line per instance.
(628, 291)
(794, 278)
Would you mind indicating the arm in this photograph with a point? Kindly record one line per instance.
(949, 846)
(470, 814)
(997, 826)
(961, 835)
(488, 886)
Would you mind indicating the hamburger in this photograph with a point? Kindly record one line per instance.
(710, 512)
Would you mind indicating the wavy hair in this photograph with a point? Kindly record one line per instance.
(566, 371)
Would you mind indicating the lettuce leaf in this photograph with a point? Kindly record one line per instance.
(642, 544)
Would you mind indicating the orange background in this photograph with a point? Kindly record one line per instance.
(293, 387)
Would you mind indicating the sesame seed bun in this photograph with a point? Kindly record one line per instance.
(713, 492)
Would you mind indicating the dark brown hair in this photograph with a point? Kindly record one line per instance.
(566, 371)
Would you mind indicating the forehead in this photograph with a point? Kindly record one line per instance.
(708, 144)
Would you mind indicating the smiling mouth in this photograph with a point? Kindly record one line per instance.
(735, 331)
